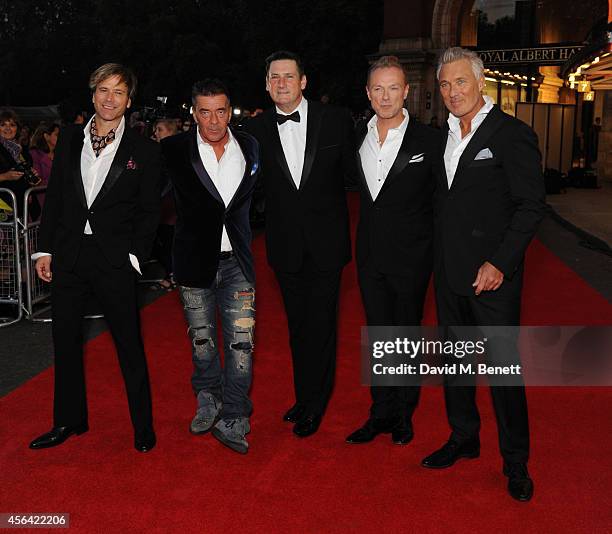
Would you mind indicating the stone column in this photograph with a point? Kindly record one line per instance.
(420, 60)
(548, 92)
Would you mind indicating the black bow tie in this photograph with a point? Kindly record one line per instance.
(282, 119)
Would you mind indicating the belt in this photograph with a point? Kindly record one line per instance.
(226, 254)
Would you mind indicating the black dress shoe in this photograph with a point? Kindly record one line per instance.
(450, 453)
(295, 413)
(307, 426)
(520, 486)
(57, 436)
(146, 443)
(369, 431)
(402, 436)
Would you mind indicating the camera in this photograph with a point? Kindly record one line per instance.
(28, 173)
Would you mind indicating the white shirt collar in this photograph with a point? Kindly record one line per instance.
(230, 139)
(302, 107)
(453, 122)
(373, 122)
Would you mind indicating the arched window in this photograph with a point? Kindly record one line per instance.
(495, 24)
(504, 23)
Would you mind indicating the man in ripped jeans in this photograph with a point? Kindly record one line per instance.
(213, 171)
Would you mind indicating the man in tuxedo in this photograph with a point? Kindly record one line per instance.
(213, 171)
(396, 157)
(307, 149)
(489, 202)
(98, 225)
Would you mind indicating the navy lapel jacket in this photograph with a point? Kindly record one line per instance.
(201, 212)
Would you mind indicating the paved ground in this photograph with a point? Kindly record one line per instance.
(587, 209)
(26, 347)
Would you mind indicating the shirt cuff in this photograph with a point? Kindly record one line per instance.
(135, 264)
(37, 255)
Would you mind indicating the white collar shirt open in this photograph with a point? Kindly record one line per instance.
(376, 158)
(226, 173)
(455, 145)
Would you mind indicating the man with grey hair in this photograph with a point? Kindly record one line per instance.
(489, 202)
(98, 225)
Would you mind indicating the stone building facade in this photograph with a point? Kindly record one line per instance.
(418, 30)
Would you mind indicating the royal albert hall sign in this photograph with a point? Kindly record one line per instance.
(544, 55)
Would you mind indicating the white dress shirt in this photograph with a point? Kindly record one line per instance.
(455, 145)
(293, 140)
(94, 169)
(377, 159)
(93, 172)
(226, 173)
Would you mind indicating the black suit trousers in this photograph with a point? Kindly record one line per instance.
(115, 289)
(311, 303)
(392, 300)
(509, 402)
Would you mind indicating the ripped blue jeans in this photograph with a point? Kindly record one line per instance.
(234, 297)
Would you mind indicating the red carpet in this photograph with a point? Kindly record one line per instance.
(320, 484)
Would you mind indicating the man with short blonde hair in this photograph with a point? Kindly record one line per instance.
(396, 159)
(388, 62)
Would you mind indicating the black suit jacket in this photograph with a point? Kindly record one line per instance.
(201, 212)
(493, 207)
(395, 231)
(312, 220)
(124, 215)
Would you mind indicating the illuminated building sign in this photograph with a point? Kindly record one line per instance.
(548, 55)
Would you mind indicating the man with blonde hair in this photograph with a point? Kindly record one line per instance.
(98, 225)
(396, 159)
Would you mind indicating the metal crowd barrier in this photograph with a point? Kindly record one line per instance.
(11, 297)
(22, 293)
(37, 292)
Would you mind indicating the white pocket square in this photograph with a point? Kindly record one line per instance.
(417, 158)
(254, 169)
(485, 153)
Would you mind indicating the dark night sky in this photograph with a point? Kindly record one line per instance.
(50, 47)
